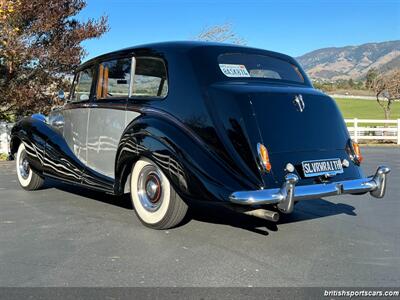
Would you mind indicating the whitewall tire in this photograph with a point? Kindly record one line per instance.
(27, 178)
(155, 201)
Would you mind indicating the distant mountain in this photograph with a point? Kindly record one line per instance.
(351, 61)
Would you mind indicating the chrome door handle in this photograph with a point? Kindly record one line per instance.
(58, 123)
(89, 105)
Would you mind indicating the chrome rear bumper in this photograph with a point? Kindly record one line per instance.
(285, 196)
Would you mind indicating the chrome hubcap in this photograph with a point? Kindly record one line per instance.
(152, 189)
(149, 188)
(23, 167)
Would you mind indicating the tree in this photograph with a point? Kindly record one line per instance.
(220, 33)
(351, 83)
(370, 77)
(40, 45)
(387, 90)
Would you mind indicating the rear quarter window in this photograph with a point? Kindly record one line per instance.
(244, 65)
(150, 80)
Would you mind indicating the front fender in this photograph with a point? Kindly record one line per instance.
(192, 169)
(47, 150)
(34, 134)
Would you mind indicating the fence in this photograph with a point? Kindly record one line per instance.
(5, 129)
(360, 130)
(377, 130)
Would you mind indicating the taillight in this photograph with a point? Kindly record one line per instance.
(357, 152)
(264, 157)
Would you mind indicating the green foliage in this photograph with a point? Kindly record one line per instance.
(10, 117)
(3, 156)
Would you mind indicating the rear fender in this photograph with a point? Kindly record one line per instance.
(184, 159)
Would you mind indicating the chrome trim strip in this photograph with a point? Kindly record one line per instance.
(131, 79)
(285, 196)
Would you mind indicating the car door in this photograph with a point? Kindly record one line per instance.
(76, 113)
(66, 152)
(108, 116)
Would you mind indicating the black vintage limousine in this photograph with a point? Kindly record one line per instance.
(171, 123)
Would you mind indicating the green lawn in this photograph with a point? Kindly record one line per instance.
(365, 109)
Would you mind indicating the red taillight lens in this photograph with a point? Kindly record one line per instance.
(264, 157)
(357, 152)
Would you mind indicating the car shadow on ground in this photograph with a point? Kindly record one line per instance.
(307, 210)
(217, 214)
(120, 201)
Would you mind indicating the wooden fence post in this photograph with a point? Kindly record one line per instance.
(355, 130)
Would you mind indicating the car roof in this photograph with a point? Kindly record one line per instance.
(181, 46)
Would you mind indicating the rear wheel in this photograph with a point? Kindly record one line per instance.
(28, 179)
(155, 201)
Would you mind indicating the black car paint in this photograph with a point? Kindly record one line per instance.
(203, 135)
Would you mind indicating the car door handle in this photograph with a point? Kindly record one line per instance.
(89, 105)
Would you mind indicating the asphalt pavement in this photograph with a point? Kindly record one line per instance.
(67, 236)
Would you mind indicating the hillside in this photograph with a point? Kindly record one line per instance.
(351, 61)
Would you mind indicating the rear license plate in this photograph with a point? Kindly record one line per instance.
(313, 168)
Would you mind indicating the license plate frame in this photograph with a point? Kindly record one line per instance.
(318, 167)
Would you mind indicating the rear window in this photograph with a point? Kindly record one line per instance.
(242, 65)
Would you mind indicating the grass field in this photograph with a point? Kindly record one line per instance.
(365, 109)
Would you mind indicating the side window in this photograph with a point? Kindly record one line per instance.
(83, 85)
(150, 78)
(114, 79)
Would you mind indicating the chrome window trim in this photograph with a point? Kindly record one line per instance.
(133, 70)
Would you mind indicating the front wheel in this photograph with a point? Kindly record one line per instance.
(155, 201)
(27, 178)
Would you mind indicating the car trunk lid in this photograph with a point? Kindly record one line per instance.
(287, 119)
(297, 120)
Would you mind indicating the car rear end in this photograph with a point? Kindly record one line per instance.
(294, 137)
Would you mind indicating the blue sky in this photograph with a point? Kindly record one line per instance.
(292, 27)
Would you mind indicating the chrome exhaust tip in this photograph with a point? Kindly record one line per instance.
(265, 214)
(260, 213)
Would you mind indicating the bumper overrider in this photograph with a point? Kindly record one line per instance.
(289, 193)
